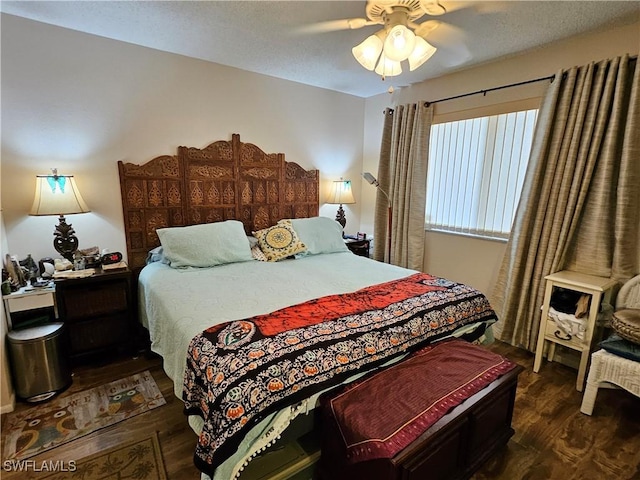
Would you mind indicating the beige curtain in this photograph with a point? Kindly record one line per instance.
(580, 205)
(402, 174)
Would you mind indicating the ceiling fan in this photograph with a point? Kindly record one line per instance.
(400, 37)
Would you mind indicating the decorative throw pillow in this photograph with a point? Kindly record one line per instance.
(279, 241)
(258, 254)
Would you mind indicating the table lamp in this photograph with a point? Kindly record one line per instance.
(341, 194)
(59, 195)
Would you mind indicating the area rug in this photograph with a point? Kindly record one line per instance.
(138, 459)
(63, 419)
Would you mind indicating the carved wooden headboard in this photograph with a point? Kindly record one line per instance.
(224, 181)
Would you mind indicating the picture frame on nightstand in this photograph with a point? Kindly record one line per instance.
(16, 275)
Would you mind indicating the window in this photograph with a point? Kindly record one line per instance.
(476, 171)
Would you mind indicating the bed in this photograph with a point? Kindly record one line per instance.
(251, 344)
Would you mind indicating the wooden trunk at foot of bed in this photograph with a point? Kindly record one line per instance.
(227, 180)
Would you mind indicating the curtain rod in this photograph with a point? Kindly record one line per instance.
(487, 90)
(632, 58)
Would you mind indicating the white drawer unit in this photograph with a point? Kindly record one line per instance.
(27, 300)
(599, 288)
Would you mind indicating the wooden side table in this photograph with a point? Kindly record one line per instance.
(359, 247)
(599, 288)
(98, 312)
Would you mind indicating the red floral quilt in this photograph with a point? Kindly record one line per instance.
(238, 372)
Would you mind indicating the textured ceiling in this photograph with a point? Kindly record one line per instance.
(289, 39)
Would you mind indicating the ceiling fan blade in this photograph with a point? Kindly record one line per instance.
(445, 33)
(335, 25)
(452, 40)
(440, 7)
(433, 7)
(425, 28)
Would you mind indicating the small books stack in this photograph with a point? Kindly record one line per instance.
(121, 265)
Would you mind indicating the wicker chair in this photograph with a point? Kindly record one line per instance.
(608, 370)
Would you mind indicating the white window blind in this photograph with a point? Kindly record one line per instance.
(476, 171)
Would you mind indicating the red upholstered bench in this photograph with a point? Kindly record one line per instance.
(438, 414)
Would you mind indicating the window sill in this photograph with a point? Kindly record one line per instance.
(466, 234)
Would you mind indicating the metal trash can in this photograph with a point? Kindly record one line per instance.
(38, 361)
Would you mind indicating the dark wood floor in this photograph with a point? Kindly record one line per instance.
(553, 440)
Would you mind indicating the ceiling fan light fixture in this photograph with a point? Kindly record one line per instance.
(399, 43)
(400, 39)
(422, 52)
(387, 67)
(368, 52)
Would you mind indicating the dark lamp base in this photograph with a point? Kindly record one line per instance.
(340, 218)
(65, 242)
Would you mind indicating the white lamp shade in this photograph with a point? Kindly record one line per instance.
(57, 195)
(367, 52)
(388, 68)
(422, 51)
(341, 193)
(399, 43)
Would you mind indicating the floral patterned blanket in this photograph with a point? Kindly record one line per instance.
(237, 372)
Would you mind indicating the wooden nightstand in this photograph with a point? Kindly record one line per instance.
(98, 312)
(359, 247)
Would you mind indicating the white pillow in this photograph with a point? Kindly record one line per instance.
(205, 245)
(320, 235)
(156, 255)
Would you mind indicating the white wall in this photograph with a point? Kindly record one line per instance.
(465, 259)
(80, 103)
(374, 120)
(7, 395)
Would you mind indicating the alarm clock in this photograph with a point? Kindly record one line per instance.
(110, 258)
